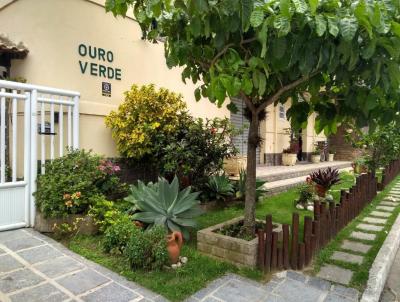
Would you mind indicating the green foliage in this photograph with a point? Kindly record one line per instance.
(267, 51)
(70, 183)
(103, 211)
(256, 48)
(145, 114)
(241, 186)
(117, 236)
(381, 145)
(196, 150)
(148, 249)
(219, 187)
(306, 192)
(164, 204)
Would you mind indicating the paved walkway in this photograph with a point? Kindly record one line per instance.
(360, 241)
(35, 268)
(284, 287)
(391, 293)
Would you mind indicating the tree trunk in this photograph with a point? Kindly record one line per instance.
(250, 201)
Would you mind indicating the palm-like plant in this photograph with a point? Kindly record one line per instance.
(163, 204)
(220, 187)
(325, 179)
(241, 186)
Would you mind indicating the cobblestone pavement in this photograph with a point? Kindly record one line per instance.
(284, 287)
(35, 268)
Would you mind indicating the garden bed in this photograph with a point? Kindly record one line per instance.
(241, 252)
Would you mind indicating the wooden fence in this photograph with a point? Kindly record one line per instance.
(329, 218)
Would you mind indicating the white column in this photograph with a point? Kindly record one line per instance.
(33, 167)
(3, 138)
(76, 123)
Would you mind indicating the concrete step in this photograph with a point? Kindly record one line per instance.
(279, 186)
(275, 173)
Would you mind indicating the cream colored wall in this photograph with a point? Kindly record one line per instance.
(275, 138)
(53, 30)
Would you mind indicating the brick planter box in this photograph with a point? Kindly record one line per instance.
(86, 226)
(234, 250)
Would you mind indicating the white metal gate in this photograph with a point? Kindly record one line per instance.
(32, 123)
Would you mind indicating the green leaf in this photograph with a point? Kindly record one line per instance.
(333, 26)
(369, 51)
(247, 85)
(246, 10)
(279, 47)
(262, 37)
(300, 6)
(256, 18)
(282, 24)
(320, 23)
(285, 8)
(195, 26)
(197, 94)
(348, 27)
(313, 6)
(396, 28)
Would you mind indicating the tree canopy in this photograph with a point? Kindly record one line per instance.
(338, 58)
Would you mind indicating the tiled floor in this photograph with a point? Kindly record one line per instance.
(35, 268)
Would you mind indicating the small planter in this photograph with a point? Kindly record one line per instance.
(289, 159)
(315, 159)
(331, 157)
(233, 165)
(86, 226)
(234, 250)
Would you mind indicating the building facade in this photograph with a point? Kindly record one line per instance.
(76, 45)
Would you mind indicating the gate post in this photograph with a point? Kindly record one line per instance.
(33, 158)
(27, 159)
(75, 119)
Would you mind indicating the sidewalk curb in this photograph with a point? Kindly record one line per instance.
(381, 267)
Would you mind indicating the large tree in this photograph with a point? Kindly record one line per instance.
(342, 53)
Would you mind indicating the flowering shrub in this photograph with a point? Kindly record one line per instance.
(145, 114)
(71, 182)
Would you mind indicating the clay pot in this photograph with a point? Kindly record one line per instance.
(174, 245)
(321, 191)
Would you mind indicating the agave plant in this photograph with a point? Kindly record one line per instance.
(241, 186)
(162, 203)
(326, 178)
(220, 187)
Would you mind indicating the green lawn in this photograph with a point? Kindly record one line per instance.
(177, 285)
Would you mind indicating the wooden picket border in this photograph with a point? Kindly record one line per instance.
(329, 219)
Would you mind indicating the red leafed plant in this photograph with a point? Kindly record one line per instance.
(324, 180)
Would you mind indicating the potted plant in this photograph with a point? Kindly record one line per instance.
(289, 155)
(234, 164)
(331, 156)
(289, 158)
(316, 156)
(324, 179)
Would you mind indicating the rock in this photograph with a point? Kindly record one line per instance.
(299, 207)
(179, 264)
(174, 266)
(329, 197)
(310, 208)
(184, 260)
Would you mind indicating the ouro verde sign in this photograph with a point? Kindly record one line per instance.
(101, 66)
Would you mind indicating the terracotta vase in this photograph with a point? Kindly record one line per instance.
(321, 191)
(174, 244)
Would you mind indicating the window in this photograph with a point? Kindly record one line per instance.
(282, 112)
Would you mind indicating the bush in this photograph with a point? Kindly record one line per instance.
(196, 150)
(71, 182)
(145, 114)
(154, 126)
(148, 249)
(104, 212)
(116, 237)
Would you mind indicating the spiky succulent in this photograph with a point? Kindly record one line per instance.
(220, 187)
(326, 178)
(162, 203)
